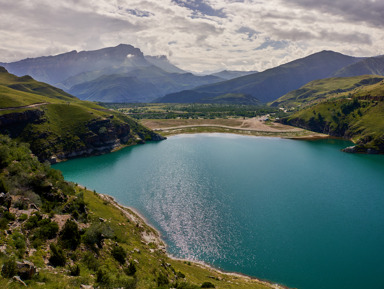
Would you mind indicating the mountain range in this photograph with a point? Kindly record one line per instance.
(271, 84)
(114, 74)
(124, 74)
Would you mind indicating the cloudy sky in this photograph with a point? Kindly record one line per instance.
(196, 35)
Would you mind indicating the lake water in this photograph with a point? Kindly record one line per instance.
(300, 213)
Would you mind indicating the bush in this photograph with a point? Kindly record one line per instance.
(3, 223)
(90, 261)
(162, 279)
(95, 234)
(23, 217)
(74, 270)
(207, 285)
(102, 277)
(119, 254)
(33, 221)
(57, 256)
(9, 268)
(131, 269)
(47, 230)
(9, 216)
(19, 242)
(70, 235)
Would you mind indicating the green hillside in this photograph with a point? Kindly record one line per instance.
(60, 126)
(354, 111)
(319, 90)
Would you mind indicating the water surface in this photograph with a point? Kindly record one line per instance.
(300, 213)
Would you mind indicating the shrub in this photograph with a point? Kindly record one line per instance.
(180, 275)
(3, 223)
(9, 216)
(162, 279)
(119, 254)
(74, 270)
(70, 235)
(57, 256)
(23, 217)
(9, 268)
(46, 230)
(19, 241)
(131, 269)
(102, 277)
(207, 285)
(32, 221)
(95, 234)
(90, 261)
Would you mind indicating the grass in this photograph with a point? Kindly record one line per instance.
(216, 129)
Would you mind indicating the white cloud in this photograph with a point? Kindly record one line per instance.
(197, 35)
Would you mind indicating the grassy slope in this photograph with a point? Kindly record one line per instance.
(64, 121)
(356, 113)
(319, 90)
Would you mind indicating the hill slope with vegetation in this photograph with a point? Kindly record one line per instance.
(55, 234)
(355, 110)
(60, 126)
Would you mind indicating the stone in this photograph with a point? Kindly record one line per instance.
(5, 200)
(26, 270)
(18, 280)
(86, 286)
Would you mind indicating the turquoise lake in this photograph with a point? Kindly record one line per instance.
(299, 213)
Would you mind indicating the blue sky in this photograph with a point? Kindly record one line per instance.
(196, 35)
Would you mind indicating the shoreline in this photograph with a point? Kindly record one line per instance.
(135, 216)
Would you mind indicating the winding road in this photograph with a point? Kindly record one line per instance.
(25, 106)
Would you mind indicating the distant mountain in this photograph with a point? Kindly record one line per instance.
(371, 65)
(273, 83)
(231, 74)
(55, 69)
(115, 74)
(353, 111)
(163, 63)
(143, 84)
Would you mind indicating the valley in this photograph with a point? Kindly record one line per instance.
(91, 103)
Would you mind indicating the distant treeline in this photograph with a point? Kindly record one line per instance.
(186, 111)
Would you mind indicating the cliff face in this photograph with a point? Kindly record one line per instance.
(102, 136)
(11, 120)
